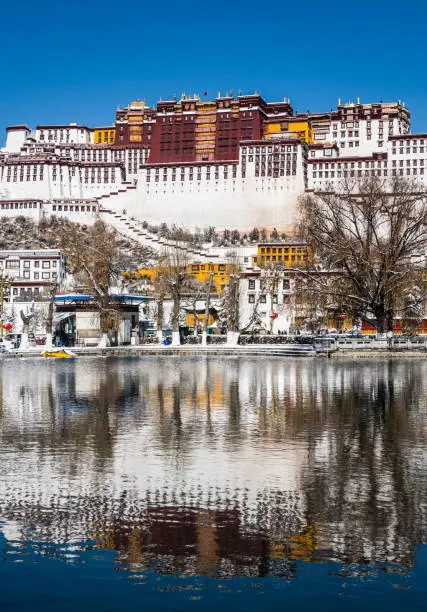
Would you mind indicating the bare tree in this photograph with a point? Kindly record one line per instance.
(50, 292)
(369, 241)
(173, 279)
(209, 287)
(26, 320)
(231, 302)
(271, 275)
(93, 255)
(309, 300)
(197, 294)
(160, 314)
(255, 319)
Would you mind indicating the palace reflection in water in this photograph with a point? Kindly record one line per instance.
(219, 467)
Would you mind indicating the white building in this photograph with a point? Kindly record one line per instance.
(260, 187)
(32, 272)
(266, 305)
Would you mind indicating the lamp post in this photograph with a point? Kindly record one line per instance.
(5, 284)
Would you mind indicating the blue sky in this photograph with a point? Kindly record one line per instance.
(76, 61)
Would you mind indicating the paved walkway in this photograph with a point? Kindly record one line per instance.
(284, 350)
(259, 350)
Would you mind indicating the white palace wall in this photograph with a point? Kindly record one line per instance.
(261, 190)
(68, 175)
(239, 204)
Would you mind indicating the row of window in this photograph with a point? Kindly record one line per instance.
(368, 164)
(411, 142)
(26, 292)
(340, 164)
(263, 298)
(208, 170)
(269, 148)
(36, 275)
(45, 264)
(274, 164)
(106, 155)
(284, 250)
(34, 178)
(190, 169)
(262, 184)
(274, 173)
(16, 205)
(202, 267)
(108, 174)
(286, 284)
(407, 150)
(35, 168)
(61, 131)
(269, 158)
(354, 173)
(54, 135)
(72, 208)
(415, 162)
(14, 264)
(106, 178)
(192, 176)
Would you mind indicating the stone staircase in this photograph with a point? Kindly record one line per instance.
(134, 229)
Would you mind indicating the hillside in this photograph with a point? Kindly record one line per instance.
(24, 233)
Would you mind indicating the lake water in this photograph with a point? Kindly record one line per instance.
(174, 483)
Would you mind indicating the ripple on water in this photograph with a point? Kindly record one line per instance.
(209, 481)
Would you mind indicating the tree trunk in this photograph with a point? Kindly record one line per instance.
(104, 340)
(49, 341)
(233, 306)
(176, 339)
(159, 318)
(380, 320)
(25, 343)
(270, 314)
(49, 326)
(390, 320)
(207, 305)
(233, 338)
(196, 319)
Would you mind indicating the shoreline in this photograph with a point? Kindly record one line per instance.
(255, 350)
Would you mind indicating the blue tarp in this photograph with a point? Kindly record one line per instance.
(73, 298)
(88, 298)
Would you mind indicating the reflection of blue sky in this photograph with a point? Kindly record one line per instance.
(51, 577)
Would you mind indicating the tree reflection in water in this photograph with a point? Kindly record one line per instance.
(220, 467)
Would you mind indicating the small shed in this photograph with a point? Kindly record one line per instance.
(82, 310)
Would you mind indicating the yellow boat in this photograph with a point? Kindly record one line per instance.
(59, 354)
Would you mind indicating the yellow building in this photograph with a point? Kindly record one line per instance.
(190, 319)
(104, 135)
(289, 254)
(200, 271)
(299, 129)
(221, 273)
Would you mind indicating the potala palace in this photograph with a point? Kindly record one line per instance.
(234, 162)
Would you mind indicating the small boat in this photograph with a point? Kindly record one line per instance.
(58, 353)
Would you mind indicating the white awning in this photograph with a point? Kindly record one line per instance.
(60, 316)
